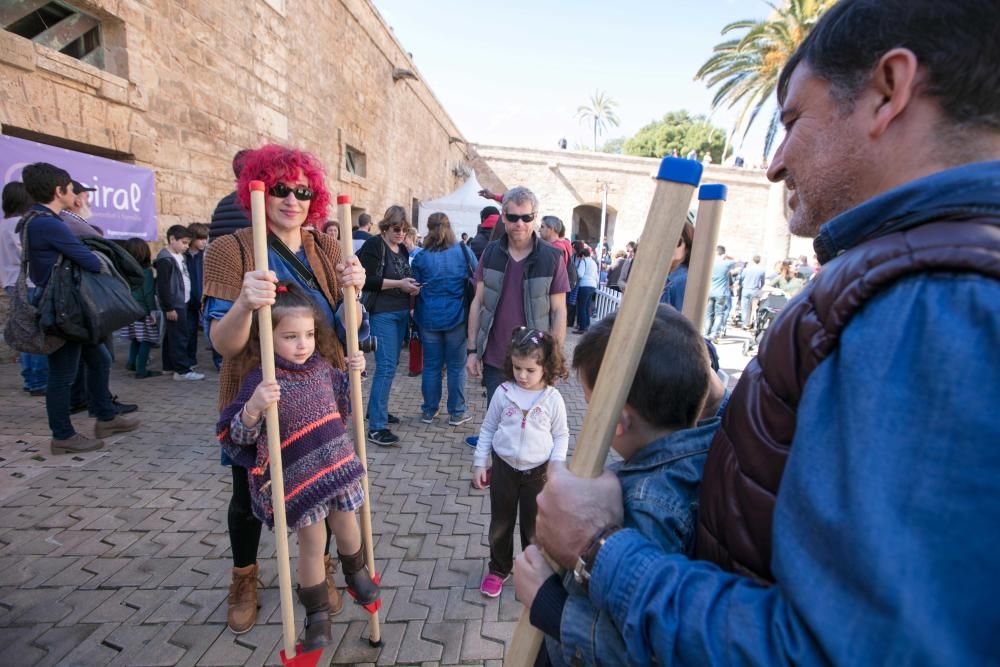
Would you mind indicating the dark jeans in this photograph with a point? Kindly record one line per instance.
(512, 492)
(244, 527)
(64, 364)
(175, 344)
(584, 296)
(192, 332)
(493, 377)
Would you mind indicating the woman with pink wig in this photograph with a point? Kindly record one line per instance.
(295, 196)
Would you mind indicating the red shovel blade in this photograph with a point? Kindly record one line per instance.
(310, 659)
(371, 607)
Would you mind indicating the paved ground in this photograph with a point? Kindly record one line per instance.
(120, 557)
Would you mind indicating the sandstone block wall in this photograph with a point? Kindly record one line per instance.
(190, 83)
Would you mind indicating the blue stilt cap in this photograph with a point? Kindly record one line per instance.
(712, 192)
(680, 170)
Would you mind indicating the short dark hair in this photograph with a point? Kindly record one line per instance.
(238, 161)
(41, 180)
(364, 220)
(955, 41)
(16, 200)
(199, 230)
(487, 212)
(720, 250)
(671, 382)
(178, 232)
(139, 249)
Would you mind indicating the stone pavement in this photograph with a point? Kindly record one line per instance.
(120, 557)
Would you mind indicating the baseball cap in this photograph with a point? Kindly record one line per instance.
(79, 187)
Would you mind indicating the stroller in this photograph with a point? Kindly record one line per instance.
(767, 309)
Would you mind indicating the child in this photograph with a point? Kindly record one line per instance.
(144, 333)
(194, 257)
(524, 428)
(664, 447)
(322, 474)
(173, 287)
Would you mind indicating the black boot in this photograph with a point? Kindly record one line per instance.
(359, 580)
(316, 600)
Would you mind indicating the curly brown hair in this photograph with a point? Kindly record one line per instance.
(536, 343)
(292, 297)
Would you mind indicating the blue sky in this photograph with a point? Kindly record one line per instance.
(514, 73)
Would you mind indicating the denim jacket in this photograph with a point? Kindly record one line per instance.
(442, 275)
(885, 524)
(660, 491)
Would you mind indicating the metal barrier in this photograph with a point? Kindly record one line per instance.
(606, 301)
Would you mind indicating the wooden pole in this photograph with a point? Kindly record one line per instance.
(667, 212)
(273, 431)
(706, 235)
(357, 408)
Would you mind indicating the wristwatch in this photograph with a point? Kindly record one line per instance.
(470, 350)
(585, 563)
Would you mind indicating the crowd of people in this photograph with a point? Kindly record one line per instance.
(836, 506)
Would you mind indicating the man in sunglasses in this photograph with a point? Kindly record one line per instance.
(520, 281)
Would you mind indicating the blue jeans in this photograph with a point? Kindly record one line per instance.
(63, 366)
(389, 329)
(493, 377)
(715, 315)
(745, 303)
(584, 297)
(443, 348)
(34, 367)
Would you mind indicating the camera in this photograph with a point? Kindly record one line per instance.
(369, 344)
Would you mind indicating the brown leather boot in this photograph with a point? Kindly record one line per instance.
(336, 599)
(359, 580)
(316, 600)
(242, 614)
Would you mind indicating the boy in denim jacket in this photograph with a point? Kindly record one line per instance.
(663, 446)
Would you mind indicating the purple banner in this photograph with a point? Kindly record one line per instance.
(124, 201)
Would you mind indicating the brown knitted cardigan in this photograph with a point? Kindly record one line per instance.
(229, 257)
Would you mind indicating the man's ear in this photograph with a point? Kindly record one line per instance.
(624, 422)
(894, 81)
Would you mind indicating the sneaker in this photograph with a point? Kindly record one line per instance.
(75, 444)
(472, 441)
(429, 419)
(392, 419)
(458, 420)
(189, 376)
(148, 374)
(117, 425)
(383, 437)
(37, 392)
(492, 585)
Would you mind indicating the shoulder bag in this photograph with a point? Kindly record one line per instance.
(23, 331)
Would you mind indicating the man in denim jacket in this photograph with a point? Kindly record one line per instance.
(885, 521)
(663, 455)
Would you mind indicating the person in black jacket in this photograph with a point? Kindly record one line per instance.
(487, 221)
(229, 216)
(48, 238)
(173, 288)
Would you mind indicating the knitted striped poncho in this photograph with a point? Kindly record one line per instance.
(317, 455)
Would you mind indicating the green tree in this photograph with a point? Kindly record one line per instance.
(746, 69)
(601, 112)
(678, 131)
(613, 145)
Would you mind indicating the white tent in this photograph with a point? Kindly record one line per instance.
(461, 206)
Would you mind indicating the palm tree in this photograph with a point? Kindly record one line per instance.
(746, 69)
(601, 111)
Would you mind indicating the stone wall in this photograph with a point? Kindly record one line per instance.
(753, 219)
(193, 82)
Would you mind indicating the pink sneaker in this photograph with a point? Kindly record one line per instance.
(492, 585)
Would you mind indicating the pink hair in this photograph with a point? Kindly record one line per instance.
(273, 163)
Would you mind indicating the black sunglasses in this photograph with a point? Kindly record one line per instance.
(513, 217)
(280, 190)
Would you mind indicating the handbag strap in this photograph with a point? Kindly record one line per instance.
(468, 264)
(23, 224)
(304, 273)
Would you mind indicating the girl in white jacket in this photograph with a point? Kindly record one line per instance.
(525, 427)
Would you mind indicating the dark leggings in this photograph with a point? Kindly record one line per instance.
(244, 527)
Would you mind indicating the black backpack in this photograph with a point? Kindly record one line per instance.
(571, 273)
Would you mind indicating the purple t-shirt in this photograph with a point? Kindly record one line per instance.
(510, 309)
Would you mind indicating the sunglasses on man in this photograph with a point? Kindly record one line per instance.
(513, 217)
(280, 190)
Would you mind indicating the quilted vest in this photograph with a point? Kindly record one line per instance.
(539, 270)
(745, 463)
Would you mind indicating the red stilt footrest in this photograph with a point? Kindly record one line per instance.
(310, 659)
(371, 607)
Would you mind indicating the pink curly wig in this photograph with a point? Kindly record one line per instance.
(273, 163)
